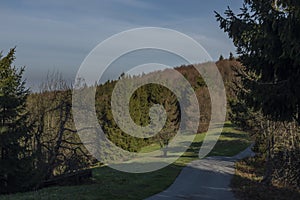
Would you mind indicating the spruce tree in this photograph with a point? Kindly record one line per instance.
(221, 58)
(231, 57)
(267, 39)
(14, 132)
(266, 36)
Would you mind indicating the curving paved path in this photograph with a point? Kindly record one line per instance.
(207, 179)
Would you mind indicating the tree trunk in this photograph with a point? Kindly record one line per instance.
(269, 165)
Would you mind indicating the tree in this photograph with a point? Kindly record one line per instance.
(266, 36)
(55, 143)
(15, 160)
(231, 57)
(171, 105)
(221, 58)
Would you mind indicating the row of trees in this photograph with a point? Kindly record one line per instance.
(266, 34)
(231, 57)
(144, 98)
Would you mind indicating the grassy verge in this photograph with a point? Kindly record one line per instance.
(112, 184)
(247, 184)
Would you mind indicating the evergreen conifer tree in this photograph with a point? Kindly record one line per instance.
(15, 160)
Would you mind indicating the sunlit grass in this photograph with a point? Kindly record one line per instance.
(113, 184)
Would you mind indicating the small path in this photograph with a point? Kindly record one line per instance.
(207, 179)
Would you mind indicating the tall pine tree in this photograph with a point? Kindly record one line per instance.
(266, 36)
(15, 162)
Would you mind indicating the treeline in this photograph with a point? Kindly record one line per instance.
(148, 95)
(38, 139)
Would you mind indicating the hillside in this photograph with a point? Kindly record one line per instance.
(58, 149)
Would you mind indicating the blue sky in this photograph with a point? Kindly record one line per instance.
(56, 35)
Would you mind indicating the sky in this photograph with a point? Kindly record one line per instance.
(57, 35)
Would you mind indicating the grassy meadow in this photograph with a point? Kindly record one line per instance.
(108, 183)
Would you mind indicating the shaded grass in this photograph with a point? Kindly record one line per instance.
(113, 184)
(247, 183)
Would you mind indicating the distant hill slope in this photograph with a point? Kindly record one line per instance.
(52, 107)
(150, 94)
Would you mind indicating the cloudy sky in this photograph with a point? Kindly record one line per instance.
(56, 35)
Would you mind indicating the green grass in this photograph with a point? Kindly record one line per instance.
(113, 184)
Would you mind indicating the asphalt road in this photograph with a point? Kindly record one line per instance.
(207, 179)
